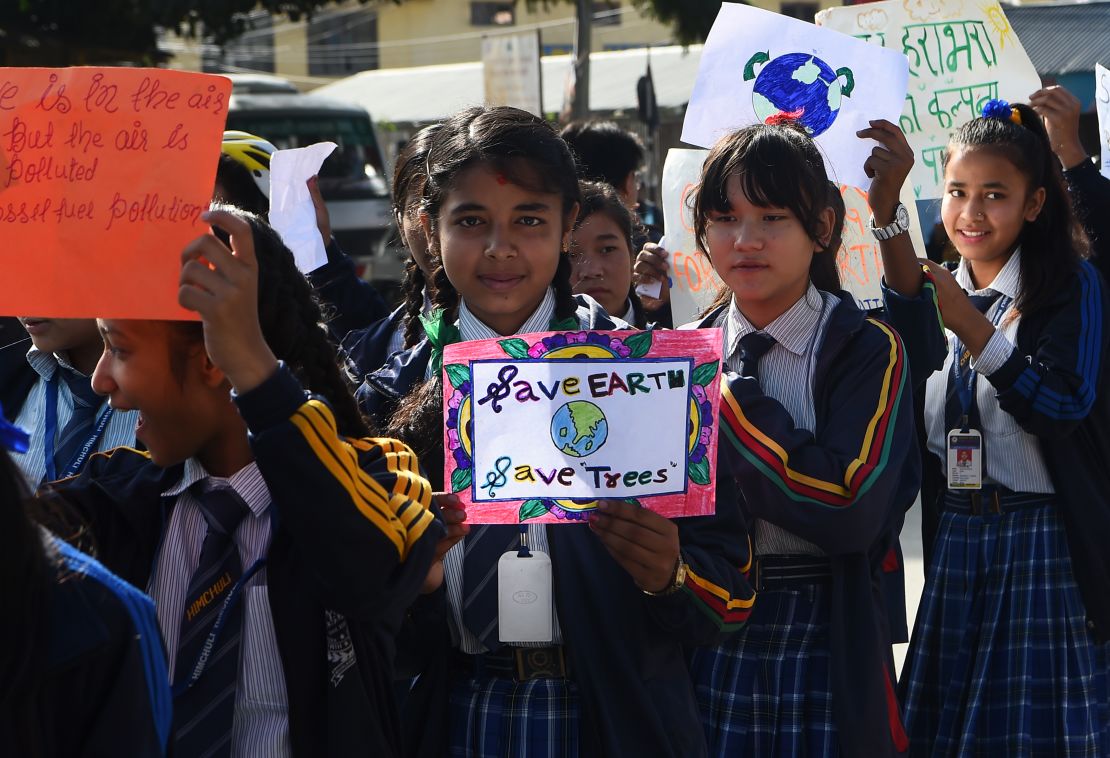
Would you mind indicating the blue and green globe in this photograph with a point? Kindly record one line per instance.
(800, 86)
(579, 428)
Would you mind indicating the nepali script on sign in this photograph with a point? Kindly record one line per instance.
(538, 427)
(104, 173)
(961, 55)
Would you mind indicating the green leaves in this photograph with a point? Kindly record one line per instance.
(461, 479)
(704, 374)
(530, 509)
(699, 472)
(639, 344)
(515, 348)
(457, 374)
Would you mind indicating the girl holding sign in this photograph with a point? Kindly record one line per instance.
(1008, 652)
(609, 676)
(817, 423)
(280, 544)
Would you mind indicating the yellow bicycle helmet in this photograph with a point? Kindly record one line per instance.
(254, 153)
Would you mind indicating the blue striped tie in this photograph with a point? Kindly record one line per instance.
(482, 549)
(204, 713)
(79, 428)
(953, 410)
(753, 345)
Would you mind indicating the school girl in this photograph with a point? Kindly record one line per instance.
(1008, 651)
(817, 423)
(81, 659)
(281, 546)
(601, 253)
(499, 203)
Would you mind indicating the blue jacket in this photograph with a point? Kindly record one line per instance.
(845, 488)
(1051, 385)
(340, 544)
(626, 647)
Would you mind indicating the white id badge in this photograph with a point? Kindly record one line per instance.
(524, 598)
(965, 460)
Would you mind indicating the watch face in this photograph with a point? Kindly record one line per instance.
(902, 217)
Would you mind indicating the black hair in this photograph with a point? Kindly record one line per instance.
(1054, 243)
(779, 166)
(409, 174)
(603, 151)
(290, 318)
(527, 151)
(598, 197)
(239, 187)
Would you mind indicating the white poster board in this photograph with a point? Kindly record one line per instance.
(1102, 105)
(511, 71)
(960, 56)
(757, 65)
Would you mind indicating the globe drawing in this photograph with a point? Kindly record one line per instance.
(799, 86)
(579, 428)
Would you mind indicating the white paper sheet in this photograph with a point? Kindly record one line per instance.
(291, 211)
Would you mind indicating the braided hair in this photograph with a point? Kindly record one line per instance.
(290, 318)
(408, 185)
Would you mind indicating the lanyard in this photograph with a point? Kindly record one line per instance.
(52, 428)
(965, 387)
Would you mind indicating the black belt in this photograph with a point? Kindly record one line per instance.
(518, 663)
(993, 500)
(771, 572)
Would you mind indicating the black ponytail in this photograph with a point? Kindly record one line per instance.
(565, 304)
(413, 287)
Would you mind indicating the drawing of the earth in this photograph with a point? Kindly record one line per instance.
(579, 428)
(800, 86)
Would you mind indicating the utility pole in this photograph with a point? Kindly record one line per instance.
(580, 107)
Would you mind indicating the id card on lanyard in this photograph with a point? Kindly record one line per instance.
(964, 444)
(51, 424)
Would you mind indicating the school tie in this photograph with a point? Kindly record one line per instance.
(752, 347)
(482, 549)
(204, 713)
(953, 410)
(79, 428)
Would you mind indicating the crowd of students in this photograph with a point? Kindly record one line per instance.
(275, 575)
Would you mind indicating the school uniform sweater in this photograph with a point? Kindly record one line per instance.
(1050, 384)
(1090, 197)
(352, 535)
(349, 302)
(625, 647)
(844, 488)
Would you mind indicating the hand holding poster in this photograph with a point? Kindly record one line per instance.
(758, 65)
(104, 173)
(538, 427)
(1102, 105)
(960, 55)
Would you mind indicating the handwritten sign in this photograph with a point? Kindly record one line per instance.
(961, 54)
(538, 427)
(104, 173)
(758, 65)
(1102, 105)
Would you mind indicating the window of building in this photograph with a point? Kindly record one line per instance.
(607, 13)
(253, 52)
(343, 42)
(802, 11)
(492, 14)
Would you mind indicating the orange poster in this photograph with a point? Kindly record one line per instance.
(104, 173)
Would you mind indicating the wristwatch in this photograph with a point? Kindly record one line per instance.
(900, 225)
(677, 581)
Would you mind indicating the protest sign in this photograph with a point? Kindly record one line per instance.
(1102, 105)
(758, 66)
(537, 427)
(104, 173)
(960, 55)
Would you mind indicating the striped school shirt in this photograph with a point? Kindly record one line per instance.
(120, 430)
(472, 329)
(1013, 456)
(261, 725)
(786, 375)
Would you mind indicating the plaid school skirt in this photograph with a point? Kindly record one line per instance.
(1001, 663)
(766, 691)
(501, 718)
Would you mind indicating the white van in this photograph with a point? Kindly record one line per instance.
(352, 179)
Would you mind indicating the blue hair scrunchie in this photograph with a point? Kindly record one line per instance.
(12, 437)
(1002, 111)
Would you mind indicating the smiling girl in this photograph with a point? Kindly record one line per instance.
(499, 204)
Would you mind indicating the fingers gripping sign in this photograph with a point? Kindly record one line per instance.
(644, 543)
(221, 285)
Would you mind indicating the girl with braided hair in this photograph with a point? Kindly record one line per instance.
(499, 203)
(280, 544)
